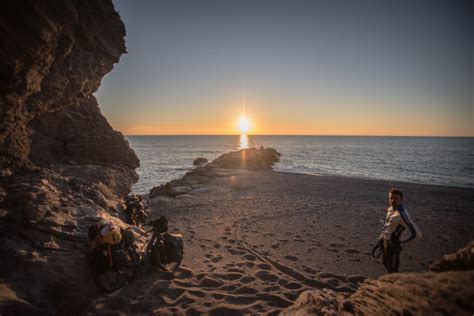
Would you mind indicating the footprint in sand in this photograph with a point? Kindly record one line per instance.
(291, 296)
(233, 251)
(231, 276)
(182, 302)
(240, 300)
(265, 276)
(247, 264)
(247, 279)
(291, 258)
(275, 246)
(356, 278)
(218, 296)
(332, 282)
(194, 312)
(172, 293)
(225, 311)
(249, 257)
(272, 288)
(283, 282)
(229, 288)
(352, 251)
(293, 286)
(184, 273)
(209, 282)
(245, 290)
(264, 266)
(309, 270)
(197, 293)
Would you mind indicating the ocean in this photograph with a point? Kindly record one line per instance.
(429, 160)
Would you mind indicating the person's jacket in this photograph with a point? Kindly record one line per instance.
(397, 221)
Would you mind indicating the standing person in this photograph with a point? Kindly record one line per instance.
(396, 221)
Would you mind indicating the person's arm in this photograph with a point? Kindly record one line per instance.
(408, 223)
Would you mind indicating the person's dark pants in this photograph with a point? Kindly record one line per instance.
(391, 255)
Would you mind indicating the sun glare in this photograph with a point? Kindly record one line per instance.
(243, 124)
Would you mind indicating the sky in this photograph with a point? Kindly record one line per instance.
(334, 67)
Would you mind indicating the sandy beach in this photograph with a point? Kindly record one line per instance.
(254, 240)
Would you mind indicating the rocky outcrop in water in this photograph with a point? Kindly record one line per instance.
(63, 167)
(199, 161)
(228, 164)
(450, 292)
(250, 159)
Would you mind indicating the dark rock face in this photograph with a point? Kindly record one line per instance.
(53, 55)
(63, 167)
(450, 292)
(79, 135)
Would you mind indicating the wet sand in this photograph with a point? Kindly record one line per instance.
(255, 240)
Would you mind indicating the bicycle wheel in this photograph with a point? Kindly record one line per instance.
(112, 280)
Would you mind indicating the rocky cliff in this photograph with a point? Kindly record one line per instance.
(448, 289)
(62, 165)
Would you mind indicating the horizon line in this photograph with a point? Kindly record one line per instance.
(306, 135)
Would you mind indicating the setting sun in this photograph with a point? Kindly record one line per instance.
(243, 124)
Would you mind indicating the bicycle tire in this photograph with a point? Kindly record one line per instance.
(119, 278)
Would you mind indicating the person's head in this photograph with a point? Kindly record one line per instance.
(395, 197)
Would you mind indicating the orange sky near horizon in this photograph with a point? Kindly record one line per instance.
(285, 121)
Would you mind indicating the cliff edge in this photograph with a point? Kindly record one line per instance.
(63, 166)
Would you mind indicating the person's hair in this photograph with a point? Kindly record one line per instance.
(396, 191)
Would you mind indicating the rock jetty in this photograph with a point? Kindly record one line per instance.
(251, 159)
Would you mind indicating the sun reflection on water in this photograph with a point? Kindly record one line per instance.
(244, 141)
